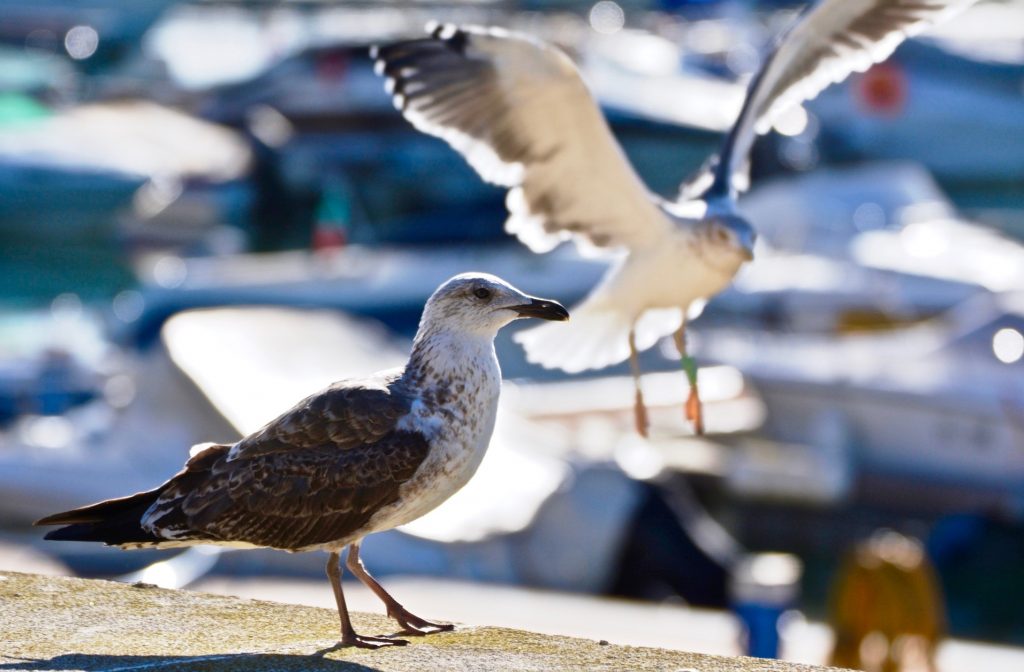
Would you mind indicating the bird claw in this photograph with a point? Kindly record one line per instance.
(425, 628)
(640, 416)
(695, 411)
(368, 642)
(416, 626)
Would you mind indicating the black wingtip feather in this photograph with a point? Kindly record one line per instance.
(458, 41)
(113, 522)
(111, 533)
(451, 35)
(101, 511)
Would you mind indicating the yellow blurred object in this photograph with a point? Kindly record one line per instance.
(886, 607)
(866, 319)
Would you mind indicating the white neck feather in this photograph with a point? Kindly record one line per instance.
(444, 355)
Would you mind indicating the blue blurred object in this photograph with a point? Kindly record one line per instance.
(48, 364)
(955, 536)
(761, 622)
(764, 586)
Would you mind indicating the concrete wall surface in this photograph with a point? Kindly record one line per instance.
(58, 623)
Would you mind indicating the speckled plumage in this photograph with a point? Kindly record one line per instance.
(360, 456)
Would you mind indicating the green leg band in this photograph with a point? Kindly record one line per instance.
(690, 367)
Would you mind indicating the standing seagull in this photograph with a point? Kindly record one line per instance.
(519, 112)
(359, 457)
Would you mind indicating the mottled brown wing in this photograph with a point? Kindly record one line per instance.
(288, 500)
(347, 414)
(313, 476)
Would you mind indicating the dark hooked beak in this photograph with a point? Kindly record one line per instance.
(544, 309)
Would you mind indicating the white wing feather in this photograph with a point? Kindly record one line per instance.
(833, 39)
(518, 111)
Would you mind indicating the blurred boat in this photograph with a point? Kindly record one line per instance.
(75, 174)
(51, 375)
(806, 293)
(85, 414)
(824, 211)
(811, 273)
(946, 248)
(932, 416)
(46, 200)
(388, 283)
(872, 246)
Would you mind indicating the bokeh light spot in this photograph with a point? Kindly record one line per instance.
(81, 42)
(1008, 345)
(607, 17)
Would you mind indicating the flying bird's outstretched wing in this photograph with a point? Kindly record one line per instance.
(831, 40)
(519, 112)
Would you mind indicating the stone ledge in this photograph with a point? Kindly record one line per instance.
(55, 623)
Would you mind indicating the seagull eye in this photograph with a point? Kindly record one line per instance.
(482, 293)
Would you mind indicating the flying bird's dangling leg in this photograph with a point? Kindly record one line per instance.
(639, 408)
(694, 410)
(348, 633)
(411, 623)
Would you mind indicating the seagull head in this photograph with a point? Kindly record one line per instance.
(730, 238)
(479, 303)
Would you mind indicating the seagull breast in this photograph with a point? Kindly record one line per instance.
(455, 408)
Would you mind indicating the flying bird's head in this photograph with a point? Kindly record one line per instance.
(730, 239)
(482, 304)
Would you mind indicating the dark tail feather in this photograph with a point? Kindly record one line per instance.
(114, 522)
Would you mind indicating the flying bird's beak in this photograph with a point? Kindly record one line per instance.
(747, 240)
(545, 309)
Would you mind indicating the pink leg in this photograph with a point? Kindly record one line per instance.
(639, 408)
(348, 634)
(411, 623)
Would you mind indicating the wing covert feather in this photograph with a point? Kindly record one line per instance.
(314, 475)
(347, 414)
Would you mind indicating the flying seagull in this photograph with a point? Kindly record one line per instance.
(361, 456)
(519, 112)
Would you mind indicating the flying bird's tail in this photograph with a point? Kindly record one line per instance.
(596, 336)
(114, 522)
